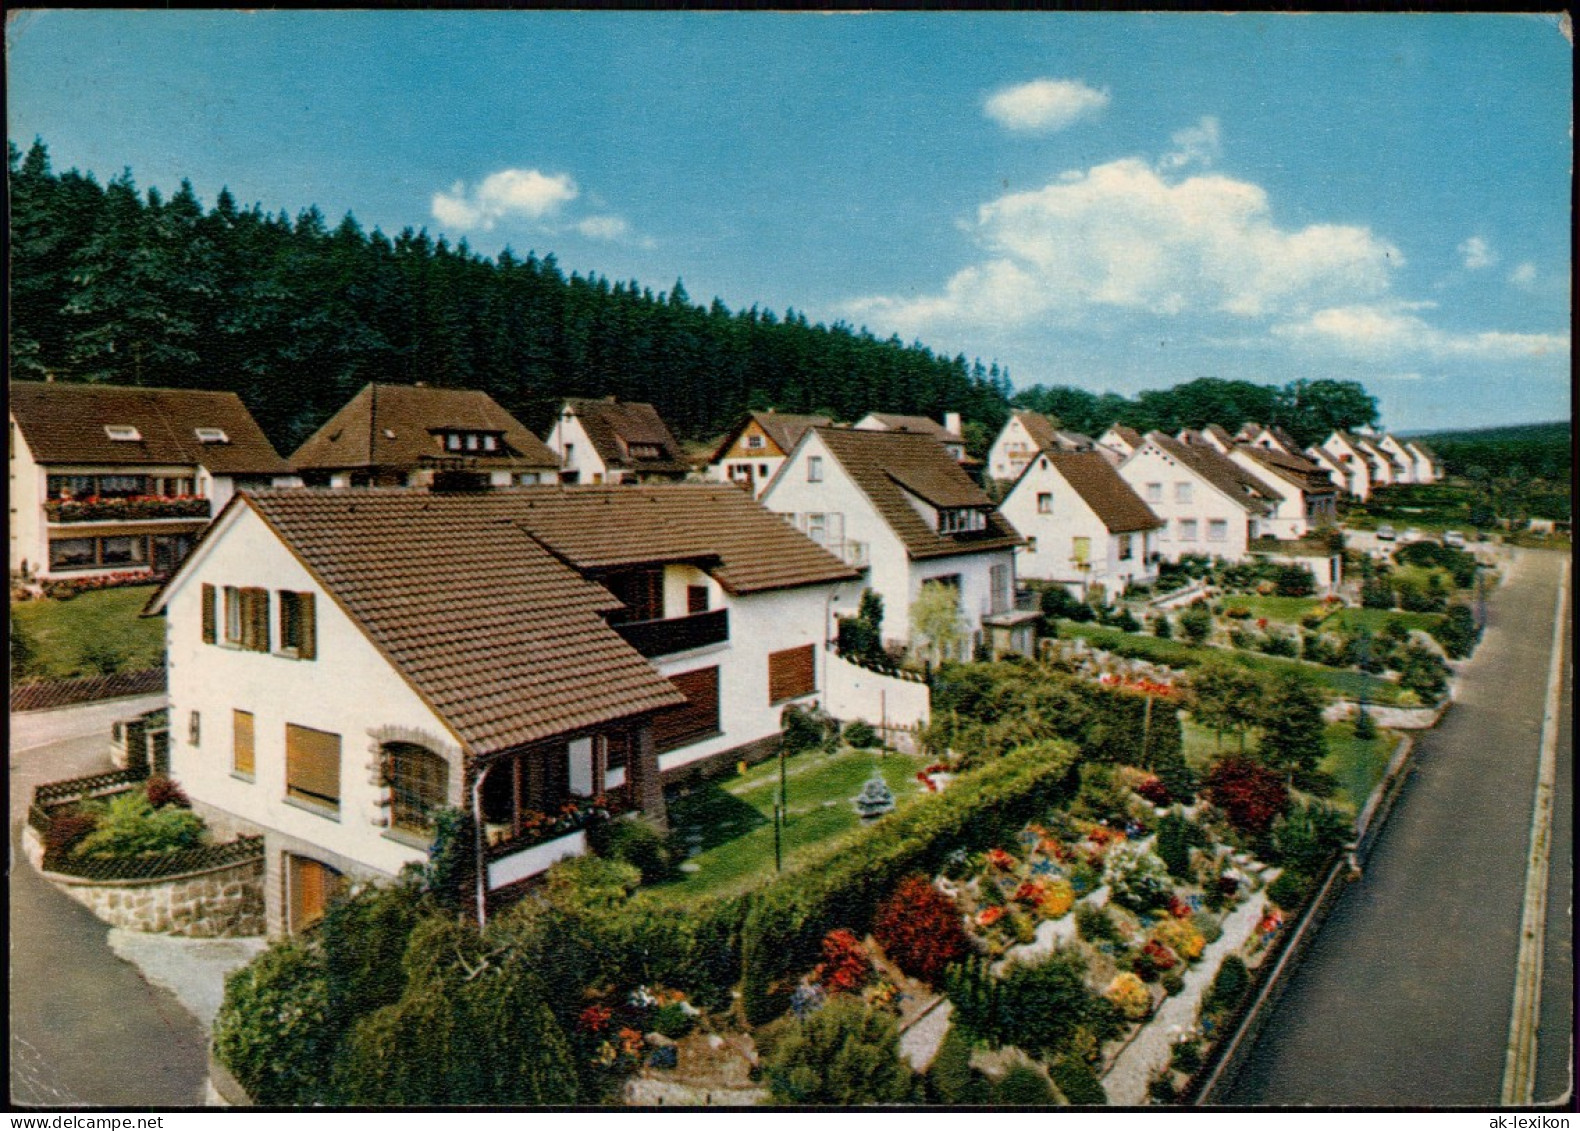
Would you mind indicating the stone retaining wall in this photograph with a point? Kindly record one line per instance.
(223, 902)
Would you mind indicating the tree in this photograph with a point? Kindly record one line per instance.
(1312, 410)
(935, 620)
(1039, 1007)
(1293, 729)
(1252, 795)
(846, 1054)
(1196, 622)
(1222, 695)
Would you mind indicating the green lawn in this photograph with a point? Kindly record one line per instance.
(1355, 765)
(1348, 620)
(1343, 682)
(731, 820)
(1285, 610)
(94, 633)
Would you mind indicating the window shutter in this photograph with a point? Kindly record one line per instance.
(791, 673)
(255, 613)
(312, 764)
(306, 627)
(244, 760)
(210, 616)
(698, 718)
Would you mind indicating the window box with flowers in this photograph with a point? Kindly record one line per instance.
(95, 508)
(575, 814)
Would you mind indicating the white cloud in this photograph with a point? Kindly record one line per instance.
(1198, 144)
(1478, 253)
(1119, 235)
(521, 194)
(1044, 105)
(1524, 275)
(1377, 332)
(603, 227)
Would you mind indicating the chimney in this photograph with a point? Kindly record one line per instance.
(952, 423)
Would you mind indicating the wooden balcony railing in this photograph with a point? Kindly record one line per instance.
(676, 634)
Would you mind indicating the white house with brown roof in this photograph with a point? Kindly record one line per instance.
(339, 671)
(1307, 500)
(611, 441)
(406, 435)
(1428, 467)
(1084, 526)
(753, 450)
(951, 433)
(1119, 443)
(1022, 437)
(1207, 503)
(898, 504)
(113, 478)
(1269, 438)
(1358, 467)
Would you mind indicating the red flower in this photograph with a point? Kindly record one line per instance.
(846, 966)
(1000, 859)
(594, 1019)
(919, 929)
(989, 915)
(1178, 908)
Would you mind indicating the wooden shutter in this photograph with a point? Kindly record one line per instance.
(306, 628)
(312, 765)
(243, 761)
(698, 718)
(210, 616)
(255, 613)
(791, 673)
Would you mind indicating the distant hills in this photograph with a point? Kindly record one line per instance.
(1542, 451)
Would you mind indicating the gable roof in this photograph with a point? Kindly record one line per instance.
(886, 466)
(397, 427)
(612, 426)
(64, 422)
(896, 422)
(1042, 431)
(1114, 501)
(1221, 434)
(1430, 455)
(1128, 434)
(744, 546)
(504, 641)
(1303, 473)
(785, 429)
(1220, 471)
(1378, 452)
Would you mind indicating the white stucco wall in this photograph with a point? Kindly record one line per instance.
(1289, 520)
(856, 693)
(1011, 451)
(349, 690)
(1151, 465)
(26, 492)
(760, 624)
(1052, 557)
(584, 460)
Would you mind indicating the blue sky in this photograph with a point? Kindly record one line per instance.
(1110, 200)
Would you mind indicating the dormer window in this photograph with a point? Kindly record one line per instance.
(490, 443)
(452, 442)
(960, 520)
(122, 432)
(211, 435)
(643, 451)
(471, 441)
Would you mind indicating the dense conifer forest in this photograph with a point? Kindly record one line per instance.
(112, 284)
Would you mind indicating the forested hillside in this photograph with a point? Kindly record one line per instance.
(1540, 451)
(110, 284)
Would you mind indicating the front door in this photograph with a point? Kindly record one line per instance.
(311, 884)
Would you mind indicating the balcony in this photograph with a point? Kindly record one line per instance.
(138, 507)
(676, 634)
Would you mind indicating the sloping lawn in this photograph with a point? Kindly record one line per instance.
(1356, 765)
(1376, 619)
(1285, 610)
(1343, 682)
(731, 821)
(94, 633)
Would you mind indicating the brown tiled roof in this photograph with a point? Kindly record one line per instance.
(612, 426)
(1431, 456)
(1219, 470)
(744, 546)
(1220, 433)
(1285, 438)
(1363, 450)
(896, 422)
(63, 423)
(1129, 435)
(1116, 505)
(1043, 431)
(784, 428)
(1303, 473)
(887, 465)
(503, 640)
(393, 427)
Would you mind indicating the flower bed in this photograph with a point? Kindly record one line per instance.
(575, 814)
(94, 508)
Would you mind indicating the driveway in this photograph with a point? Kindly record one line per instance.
(86, 1029)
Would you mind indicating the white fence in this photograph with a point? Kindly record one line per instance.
(888, 702)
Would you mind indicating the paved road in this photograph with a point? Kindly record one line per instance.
(1405, 997)
(86, 1029)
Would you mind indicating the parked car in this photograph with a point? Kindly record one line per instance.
(1411, 535)
(1385, 533)
(1454, 538)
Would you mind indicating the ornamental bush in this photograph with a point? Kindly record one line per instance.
(1251, 795)
(844, 1054)
(1196, 623)
(1077, 1082)
(1129, 996)
(1095, 924)
(1457, 632)
(1135, 877)
(1229, 984)
(846, 965)
(129, 826)
(1039, 1006)
(950, 1079)
(1182, 937)
(274, 1031)
(1023, 1086)
(919, 929)
(632, 841)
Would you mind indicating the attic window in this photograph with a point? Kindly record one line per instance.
(961, 520)
(211, 436)
(644, 451)
(122, 432)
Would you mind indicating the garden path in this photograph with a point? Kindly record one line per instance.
(1126, 1080)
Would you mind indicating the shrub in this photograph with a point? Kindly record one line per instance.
(1251, 795)
(950, 1078)
(861, 735)
(1135, 877)
(1308, 835)
(844, 1054)
(1162, 627)
(919, 929)
(1077, 1082)
(1457, 632)
(1279, 644)
(846, 965)
(129, 826)
(1377, 593)
(1229, 984)
(1172, 982)
(1294, 732)
(1211, 930)
(1023, 1086)
(1237, 612)
(1365, 726)
(1289, 891)
(1036, 1006)
(1182, 937)
(1185, 1057)
(1196, 623)
(1243, 639)
(590, 883)
(807, 728)
(633, 842)
(1126, 622)
(273, 1030)
(67, 828)
(1423, 671)
(1095, 924)
(1152, 960)
(1294, 581)
(1058, 900)
(1176, 836)
(1129, 996)
(1153, 790)
(161, 791)
(671, 1021)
